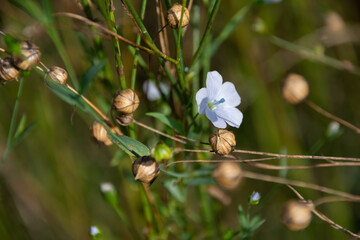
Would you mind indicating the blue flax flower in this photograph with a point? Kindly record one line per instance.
(218, 101)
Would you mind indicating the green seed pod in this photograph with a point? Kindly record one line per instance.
(162, 152)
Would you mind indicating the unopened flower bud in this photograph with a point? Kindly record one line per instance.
(295, 88)
(145, 169)
(95, 232)
(58, 74)
(125, 119)
(7, 69)
(222, 142)
(126, 101)
(109, 193)
(296, 215)
(162, 152)
(30, 55)
(227, 175)
(99, 133)
(174, 16)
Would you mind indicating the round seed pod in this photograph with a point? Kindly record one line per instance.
(227, 175)
(58, 74)
(222, 142)
(295, 88)
(99, 134)
(7, 69)
(125, 119)
(126, 101)
(174, 15)
(296, 215)
(30, 55)
(145, 169)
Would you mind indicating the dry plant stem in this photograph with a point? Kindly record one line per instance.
(330, 199)
(164, 42)
(191, 140)
(329, 115)
(220, 161)
(268, 178)
(106, 119)
(322, 165)
(158, 132)
(89, 22)
(325, 218)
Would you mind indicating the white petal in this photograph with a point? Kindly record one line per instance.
(231, 115)
(213, 84)
(229, 93)
(151, 91)
(202, 100)
(218, 122)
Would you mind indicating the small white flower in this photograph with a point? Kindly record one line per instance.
(153, 92)
(218, 101)
(106, 187)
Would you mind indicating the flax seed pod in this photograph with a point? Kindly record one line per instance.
(295, 88)
(126, 101)
(145, 169)
(296, 215)
(7, 69)
(222, 142)
(174, 15)
(227, 175)
(99, 134)
(58, 74)
(30, 55)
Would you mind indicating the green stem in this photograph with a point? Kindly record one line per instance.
(147, 38)
(136, 55)
(311, 55)
(206, 34)
(12, 123)
(179, 41)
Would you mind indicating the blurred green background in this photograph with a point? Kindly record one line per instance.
(49, 184)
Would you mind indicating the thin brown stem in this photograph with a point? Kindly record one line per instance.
(329, 115)
(220, 161)
(321, 165)
(89, 22)
(268, 178)
(331, 199)
(157, 131)
(151, 200)
(298, 156)
(325, 218)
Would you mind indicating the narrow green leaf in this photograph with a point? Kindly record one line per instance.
(173, 187)
(22, 135)
(30, 8)
(129, 145)
(169, 121)
(21, 126)
(242, 217)
(199, 181)
(90, 75)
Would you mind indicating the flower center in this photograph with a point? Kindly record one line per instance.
(212, 104)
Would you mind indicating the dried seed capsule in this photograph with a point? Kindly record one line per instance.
(222, 142)
(7, 69)
(126, 101)
(296, 215)
(30, 55)
(174, 16)
(145, 169)
(125, 119)
(227, 175)
(58, 74)
(295, 88)
(99, 133)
